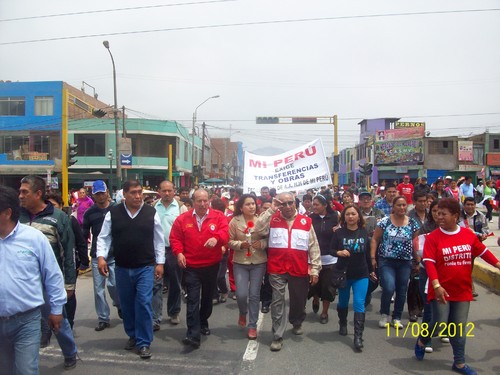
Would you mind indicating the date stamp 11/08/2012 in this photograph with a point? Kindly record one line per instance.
(442, 329)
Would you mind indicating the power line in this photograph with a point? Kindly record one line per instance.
(111, 10)
(254, 23)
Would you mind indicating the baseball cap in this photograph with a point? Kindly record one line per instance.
(406, 176)
(364, 193)
(382, 188)
(99, 186)
(448, 178)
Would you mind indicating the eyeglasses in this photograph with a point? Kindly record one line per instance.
(289, 203)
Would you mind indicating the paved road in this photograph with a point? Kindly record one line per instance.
(319, 351)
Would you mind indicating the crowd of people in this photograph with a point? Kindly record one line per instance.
(416, 241)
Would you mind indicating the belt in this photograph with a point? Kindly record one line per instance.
(19, 314)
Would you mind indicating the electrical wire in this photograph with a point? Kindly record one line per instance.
(251, 23)
(111, 10)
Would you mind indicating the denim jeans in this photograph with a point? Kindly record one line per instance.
(248, 278)
(20, 343)
(427, 315)
(157, 302)
(221, 277)
(100, 284)
(174, 283)
(199, 281)
(135, 288)
(394, 277)
(64, 336)
(359, 289)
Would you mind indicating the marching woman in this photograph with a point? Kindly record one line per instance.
(350, 244)
(249, 262)
(324, 219)
(448, 254)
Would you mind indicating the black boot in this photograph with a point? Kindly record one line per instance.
(359, 326)
(342, 313)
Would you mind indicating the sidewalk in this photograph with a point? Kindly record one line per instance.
(483, 272)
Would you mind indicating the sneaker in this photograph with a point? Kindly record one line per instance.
(70, 363)
(428, 349)
(144, 352)
(101, 326)
(382, 323)
(44, 340)
(215, 301)
(189, 341)
(466, 370)
(413, 318)
(297, 330)
(156, 327)
(242, 321)
(130, 344)
(252, 334)
(445, 340)
(164, 290)
(175, 319)
(276, 345)
(419, 351)
(223, 297)
(323, 318)
(397, 323)
(234, 296)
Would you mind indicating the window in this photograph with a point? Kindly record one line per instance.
(149, 146)
(91, 144)
(12, 106)
(186, 149)
(496, 144)
(441, 147)
(44, 105)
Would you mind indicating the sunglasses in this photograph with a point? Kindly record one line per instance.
(289, 203)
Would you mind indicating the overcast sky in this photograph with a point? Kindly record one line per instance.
(432, 61)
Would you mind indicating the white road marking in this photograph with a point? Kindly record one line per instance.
(253, 345)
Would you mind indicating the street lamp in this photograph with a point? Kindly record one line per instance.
(194, 129)
(110, 158)
(115, 115)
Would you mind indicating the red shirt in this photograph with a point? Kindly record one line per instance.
(448, 258)
(407, 191)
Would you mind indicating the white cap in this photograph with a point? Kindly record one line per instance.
(448, 178)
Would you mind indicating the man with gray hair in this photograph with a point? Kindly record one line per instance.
(292, 243)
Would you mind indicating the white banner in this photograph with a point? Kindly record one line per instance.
(302, 168)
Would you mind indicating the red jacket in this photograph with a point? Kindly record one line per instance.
(288, 248)
(186, 238)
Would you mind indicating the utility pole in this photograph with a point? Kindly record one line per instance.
(202, 162)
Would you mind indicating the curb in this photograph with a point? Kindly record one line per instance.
(490, 278)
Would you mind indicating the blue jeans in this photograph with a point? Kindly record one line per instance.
(199, 281)
(100, 284)
(444, 315)
(135, 288)
(174, 283)
(427, 316)
(359, 289)
(248, 278)
(157, 303)
(394, 277)
(64, 336)
(20, 343)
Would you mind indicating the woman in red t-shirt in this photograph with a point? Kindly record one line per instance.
(448, 254)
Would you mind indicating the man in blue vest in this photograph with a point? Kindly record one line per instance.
(135, 230)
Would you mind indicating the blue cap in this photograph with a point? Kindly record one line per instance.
(99, 186)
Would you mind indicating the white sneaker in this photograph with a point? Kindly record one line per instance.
(445, 340)
(428, 349)
(382, 323)
(397, 323)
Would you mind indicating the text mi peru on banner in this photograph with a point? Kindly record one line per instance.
(302, 168)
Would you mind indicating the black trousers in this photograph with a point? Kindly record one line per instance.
(199, 281)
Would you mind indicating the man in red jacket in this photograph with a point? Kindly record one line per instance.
(292, 243)
(196, 239)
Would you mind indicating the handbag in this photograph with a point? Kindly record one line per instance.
(339, 277)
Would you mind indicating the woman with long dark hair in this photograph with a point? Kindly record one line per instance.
(249, 262)
(324, 219)
(350, 244)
